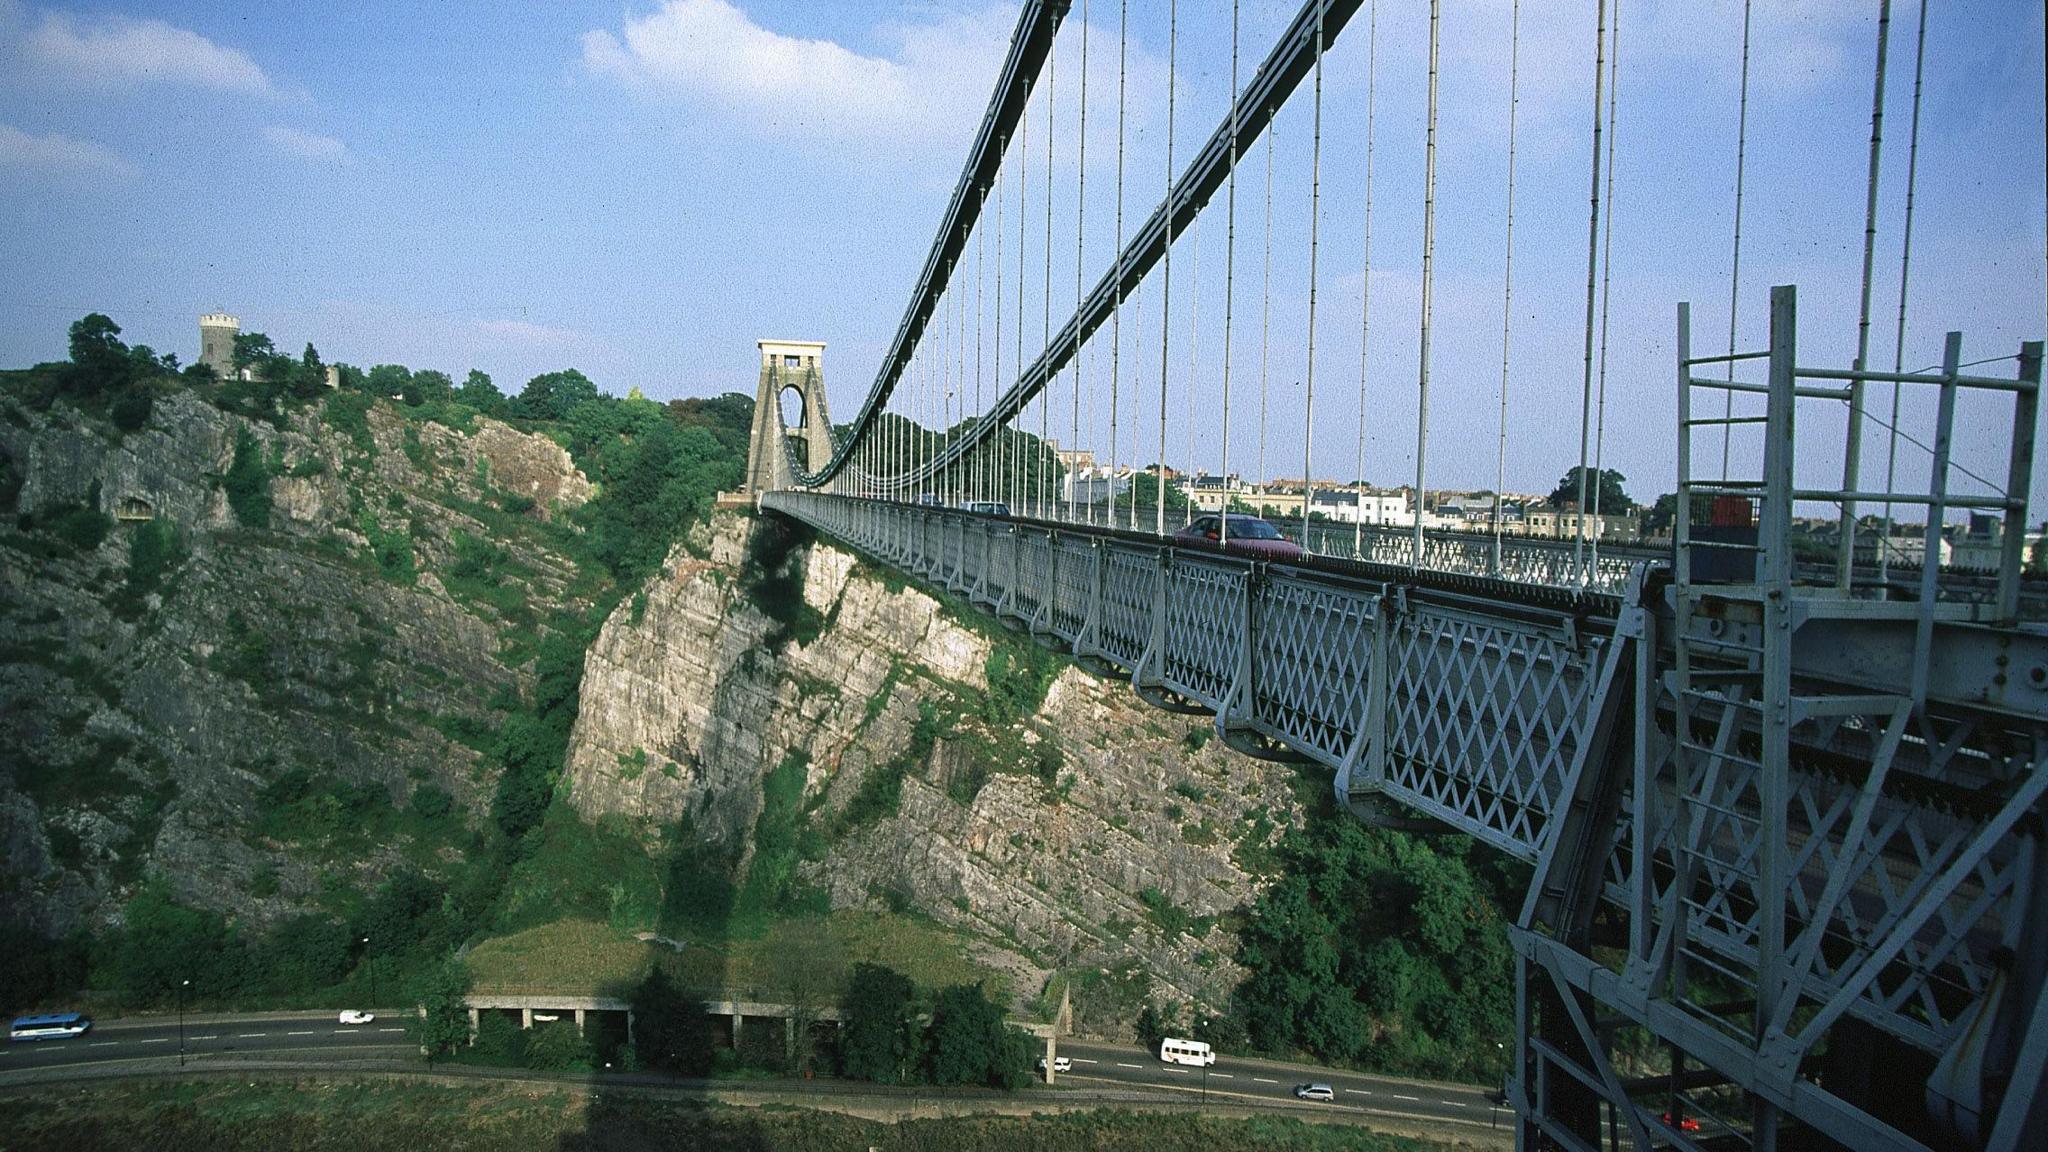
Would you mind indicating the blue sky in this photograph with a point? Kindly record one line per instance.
(642, 190)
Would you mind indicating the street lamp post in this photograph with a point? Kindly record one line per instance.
(182, 985)
(370, 963)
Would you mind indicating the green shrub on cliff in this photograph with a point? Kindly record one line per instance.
(247, 483)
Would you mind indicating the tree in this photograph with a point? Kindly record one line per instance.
(1151, 1029)
(557, 1047)
(971, 1044)
(805, 972)
(309, 376)
(551, 395)
(99, 361)
(878, 1039)
(405, 912)
(389, 380)
(1613, 500)
(1407, 925)
(253, 350)
(479, 393)
(668, 1028)
(1663, 516)
(442, 1024)
(303, 953)
(427, 387)
(1146, 487)
(162, 943)
(247, 483)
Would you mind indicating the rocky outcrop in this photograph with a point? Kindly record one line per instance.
(140, 721)
(1127, 854)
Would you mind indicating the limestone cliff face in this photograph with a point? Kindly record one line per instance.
(1119, 849)
(139, 726)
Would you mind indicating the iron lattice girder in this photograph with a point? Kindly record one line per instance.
(1906, 850)
(1292, 59)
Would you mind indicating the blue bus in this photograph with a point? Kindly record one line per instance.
(53, 1026)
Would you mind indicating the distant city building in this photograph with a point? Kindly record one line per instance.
(1373, 506)
(217, 332)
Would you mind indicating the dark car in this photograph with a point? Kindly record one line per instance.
(989, 507)
(1249, 536)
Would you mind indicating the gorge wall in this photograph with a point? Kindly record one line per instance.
(153, 698)
(1078, 831)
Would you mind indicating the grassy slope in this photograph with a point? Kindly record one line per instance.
(574, 957)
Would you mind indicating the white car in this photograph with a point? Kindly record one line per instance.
(356, 1016)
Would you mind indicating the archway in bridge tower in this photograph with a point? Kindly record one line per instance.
(796, 448)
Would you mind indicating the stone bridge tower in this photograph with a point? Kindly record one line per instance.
(788, 366)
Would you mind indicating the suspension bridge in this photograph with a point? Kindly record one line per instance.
(1780, 794)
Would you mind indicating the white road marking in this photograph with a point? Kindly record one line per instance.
(301, 1033)
(344, 1031)
(1450, 1104)
(1182, 1071)
(1263, 1080)
(1121, 1064)
(158, 1040)
(250, 1035)
(401, 1030)
(1358, 1091)
(1085, 1060)
(1398, 1096)
(214, 1036)
(1222, 1075)
(102, 1044)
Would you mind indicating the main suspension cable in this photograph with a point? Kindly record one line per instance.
(1891, 463)
(1428, 270)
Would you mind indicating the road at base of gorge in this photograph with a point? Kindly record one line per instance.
(309, 1043)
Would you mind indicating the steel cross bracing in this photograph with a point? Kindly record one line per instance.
(1769, 825)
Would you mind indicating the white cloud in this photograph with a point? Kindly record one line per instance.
(114, 52)
(934, 84)
(58, 154)
(307, 145)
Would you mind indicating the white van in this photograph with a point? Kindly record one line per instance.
(1186, 1052)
